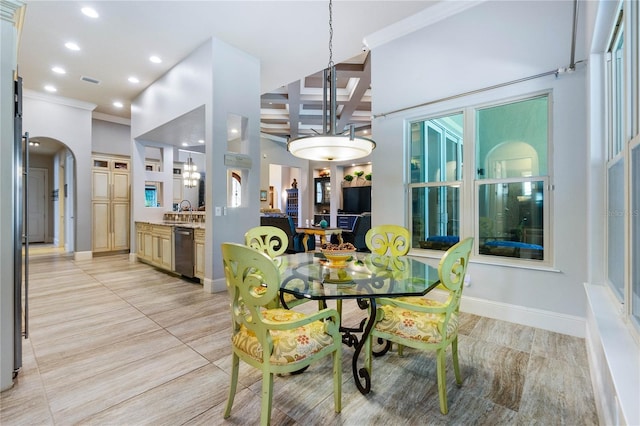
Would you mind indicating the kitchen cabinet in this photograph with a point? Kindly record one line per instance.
(144, 242)
(178, 185)
(110, 203)
(162, 246)
(198, 238)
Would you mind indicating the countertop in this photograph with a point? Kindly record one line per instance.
(172, 223)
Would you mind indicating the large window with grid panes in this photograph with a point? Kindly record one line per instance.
(622, 103)
(508, 151)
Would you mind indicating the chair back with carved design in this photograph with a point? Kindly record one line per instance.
(270, 240)
(391, 240)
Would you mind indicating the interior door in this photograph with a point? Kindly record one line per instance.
(37, 212)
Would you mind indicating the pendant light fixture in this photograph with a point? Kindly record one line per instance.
(331, 145)
(190, 176)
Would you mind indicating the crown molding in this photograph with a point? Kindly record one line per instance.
(32, 94)
(424, 18)
(111, 118)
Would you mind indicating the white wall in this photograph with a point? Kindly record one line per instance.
(68, 121)
(111, 138)
(493, 43)
(276, 154)
(226, 81)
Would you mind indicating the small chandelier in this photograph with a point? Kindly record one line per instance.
(331, 146)
(190, 176)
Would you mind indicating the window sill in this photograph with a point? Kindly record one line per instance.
(488, 260)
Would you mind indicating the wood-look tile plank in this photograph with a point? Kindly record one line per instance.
(496, 373)
(556, 346)
(245, 412)
(507, 334)
(26, 403)
(84, 399)
(46, 332)
(557, 394)
(51, 353)
(173, 403)
(87, 363)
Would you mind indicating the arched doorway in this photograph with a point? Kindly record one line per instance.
(50, 212)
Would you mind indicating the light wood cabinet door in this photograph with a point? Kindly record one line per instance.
(100, 226)
(156, 253)
(166, 258)
(178, 186)
(120, 225)
(120, 186)
(101, 182)
(199, 253)
(148, 246)
(111, 204)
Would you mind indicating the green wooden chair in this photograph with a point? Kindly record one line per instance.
(392, 240)
(273, 340)
(270, 240)
(273, 242)
(385, 240)
(426, 324)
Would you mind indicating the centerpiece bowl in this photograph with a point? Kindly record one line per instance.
(338, 257)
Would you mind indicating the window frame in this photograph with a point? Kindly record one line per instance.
(469, 183)
(622, 119)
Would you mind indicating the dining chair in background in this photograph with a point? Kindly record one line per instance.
(274, 340)
(385, 240)
(270, 240)
(424, 323)
(391, 240)
(273, 242)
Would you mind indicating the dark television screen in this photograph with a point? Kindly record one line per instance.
(356, 200)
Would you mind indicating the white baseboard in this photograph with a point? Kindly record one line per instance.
(546, 320)
(214, 286)
(133, 257)
(82, 255)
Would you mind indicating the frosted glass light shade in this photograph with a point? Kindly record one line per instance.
(330, 148)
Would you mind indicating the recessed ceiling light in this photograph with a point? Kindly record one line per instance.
(50, 88)
(118, 104)
(91, 13)
(185, 144)
(58, 70)
(155, 59)
(200, 140)
(133, 79)
(234, 130)
(71, 46)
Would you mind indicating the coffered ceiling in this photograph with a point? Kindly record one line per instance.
(296, 108)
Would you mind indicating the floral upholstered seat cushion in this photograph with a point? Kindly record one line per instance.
(288, 345)
(288, 297)
(415, 325)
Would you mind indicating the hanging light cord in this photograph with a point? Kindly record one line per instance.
(330, 34)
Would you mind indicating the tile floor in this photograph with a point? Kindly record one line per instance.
(118, 343)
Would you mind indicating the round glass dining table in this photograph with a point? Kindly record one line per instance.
(363, 277)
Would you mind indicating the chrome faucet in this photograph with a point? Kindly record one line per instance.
(190, 209)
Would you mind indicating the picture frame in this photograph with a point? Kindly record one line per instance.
(263, 195)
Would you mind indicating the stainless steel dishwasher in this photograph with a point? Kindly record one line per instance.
(184, 250)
